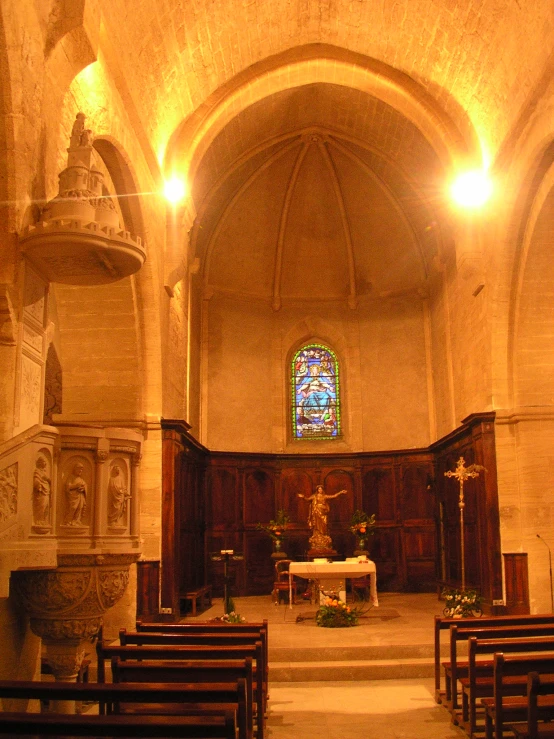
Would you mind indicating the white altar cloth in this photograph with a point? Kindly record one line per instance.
(335, 571)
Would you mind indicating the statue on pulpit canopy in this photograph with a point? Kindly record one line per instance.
(317, 517)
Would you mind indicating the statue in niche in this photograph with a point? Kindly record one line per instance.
(86, 137)
(42, 490)
(77, 130)
(117, 498)
(317, 517)
(76, 493)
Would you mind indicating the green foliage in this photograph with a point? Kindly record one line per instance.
(362, 524)
(276, 528)
(461, 602)
(334, 614)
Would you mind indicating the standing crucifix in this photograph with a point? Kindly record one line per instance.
(463, 473)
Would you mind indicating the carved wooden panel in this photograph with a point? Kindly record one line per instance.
(517, 582)
(294, 482)
(378, 493)
(419, 548)
(416, 497)
(260, 568)
(341, 508)
(148, 574)
(259, 496)
(223, 497)
(385, 551)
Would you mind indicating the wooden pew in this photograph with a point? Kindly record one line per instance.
(443, 624)
(540, 705)
(206, 638)
(106, 652)
(216, 627)
(459, 632)
(167, 671)
(479, 682)
(509, 702)
(216, 721)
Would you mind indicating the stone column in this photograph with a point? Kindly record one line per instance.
(66, 605)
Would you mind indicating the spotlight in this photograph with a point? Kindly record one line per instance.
(471, 189)
(174, 190)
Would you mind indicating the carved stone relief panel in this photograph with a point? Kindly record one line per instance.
(42, 493)
(35, 297)
(30, 392)
(119, 495)
(52, 385)
(8, 496)
(76, 494)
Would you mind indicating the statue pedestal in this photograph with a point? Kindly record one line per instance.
(316, 553)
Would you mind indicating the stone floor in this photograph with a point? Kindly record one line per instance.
(396, 636)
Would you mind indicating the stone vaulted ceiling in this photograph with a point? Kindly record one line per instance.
(317, 192)
(314, 176)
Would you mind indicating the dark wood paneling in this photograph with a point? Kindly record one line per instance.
(294, 482)
(214, 500)
(148, 587)
(379, 493)
(223, 499)
(475, 441)
(341, 508)
(260, 568)
(416, 498)
(259, 496)
(517, 582)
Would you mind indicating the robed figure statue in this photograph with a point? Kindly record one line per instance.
(317, 517)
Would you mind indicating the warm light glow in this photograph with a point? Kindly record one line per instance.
(472, 189)
(174, 190)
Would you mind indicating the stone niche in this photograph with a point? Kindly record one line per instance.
(68, 530)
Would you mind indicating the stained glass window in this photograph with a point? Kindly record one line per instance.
(315, 393)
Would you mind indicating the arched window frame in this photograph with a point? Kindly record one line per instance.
(330, 428)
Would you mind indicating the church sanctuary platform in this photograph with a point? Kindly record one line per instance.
(373, 680)
(392, 641)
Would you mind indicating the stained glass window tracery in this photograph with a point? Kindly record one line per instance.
(315, 393)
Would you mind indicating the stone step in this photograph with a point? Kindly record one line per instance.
(353, 653)
(360, 669)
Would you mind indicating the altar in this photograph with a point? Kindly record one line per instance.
(333, 575)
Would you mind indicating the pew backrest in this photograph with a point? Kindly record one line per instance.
(442, 624)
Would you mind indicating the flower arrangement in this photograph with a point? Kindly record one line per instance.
(361, 524)
(461, 603)
(276, 528)
(334, 613)
(231, 618)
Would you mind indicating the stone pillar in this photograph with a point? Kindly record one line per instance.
(66, 605)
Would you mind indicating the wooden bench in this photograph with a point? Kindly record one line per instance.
(215, 627)
(195, 653)
(460, 632)
(205, 671)
(509, 702)
(215, 721)
(443, 624)
(540, 702)
(479, 682)
(209, 636)
(200, 598)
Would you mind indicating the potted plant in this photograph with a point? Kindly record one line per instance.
(462, 603)
(334, 613)
(276, 529)
(362, 525)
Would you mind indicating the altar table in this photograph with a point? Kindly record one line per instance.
(332, 573)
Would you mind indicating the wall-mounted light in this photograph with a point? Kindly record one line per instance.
(471, 189)
(174, 190)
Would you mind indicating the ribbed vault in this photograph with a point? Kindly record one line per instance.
(321, 192)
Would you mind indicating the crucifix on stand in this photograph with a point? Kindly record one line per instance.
(463, 473)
